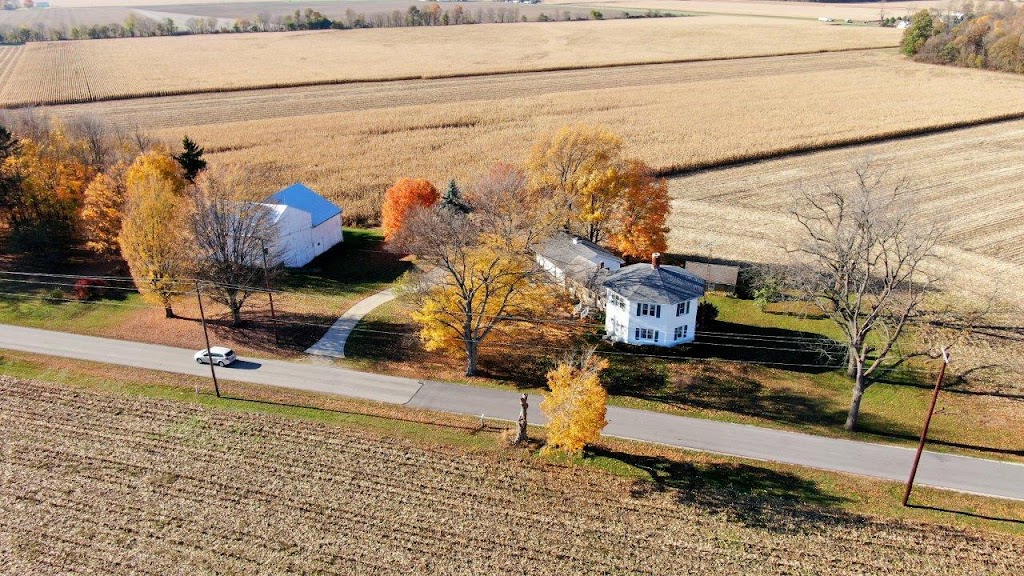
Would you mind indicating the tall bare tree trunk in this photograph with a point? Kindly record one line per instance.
(168, 313)
(858, 393)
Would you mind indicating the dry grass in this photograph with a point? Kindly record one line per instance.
(122, 484)
(352, 142)
(118, 68)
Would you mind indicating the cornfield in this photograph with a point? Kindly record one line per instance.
(102, 484)
(351, 142)
(79, 71)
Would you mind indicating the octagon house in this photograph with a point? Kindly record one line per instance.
(651, 304)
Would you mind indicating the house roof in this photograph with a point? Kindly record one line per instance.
(663, 285)
(298, 196)
(568, 250)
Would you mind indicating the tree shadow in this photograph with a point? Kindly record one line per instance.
(721, 389)
(966, 513)
(361, 259)
(793, 350)
(754, 495)
(382, 341)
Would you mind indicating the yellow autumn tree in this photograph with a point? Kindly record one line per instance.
(485, 278)
(101, 214)
(153, 242)
(577, 403)
(575, 171)
(155, 163)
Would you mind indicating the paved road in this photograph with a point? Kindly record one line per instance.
(960, 473)
(332, 345)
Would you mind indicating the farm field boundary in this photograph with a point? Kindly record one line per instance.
(673, 171)
(7, 72)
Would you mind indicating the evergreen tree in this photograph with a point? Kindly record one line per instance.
(191, 159)
(452, 198)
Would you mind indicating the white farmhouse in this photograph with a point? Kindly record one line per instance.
(577, 264)
(651, 304)
(307, 225)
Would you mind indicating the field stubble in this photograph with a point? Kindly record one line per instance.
(102, 483)
(352, 142)
(132, 67)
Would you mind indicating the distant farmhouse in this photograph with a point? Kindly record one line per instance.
(307, 224)
(645, 304)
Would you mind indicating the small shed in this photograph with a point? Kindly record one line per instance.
(307, 224)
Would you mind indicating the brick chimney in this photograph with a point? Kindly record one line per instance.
(655, 260)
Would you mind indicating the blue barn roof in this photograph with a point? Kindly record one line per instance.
(298, 196)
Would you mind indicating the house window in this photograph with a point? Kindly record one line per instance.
(617, 301)
(680, 332)
(646, 334)
(683, 308)
(648, 310)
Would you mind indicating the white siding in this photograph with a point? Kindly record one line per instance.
(621, 325)
(298, 243)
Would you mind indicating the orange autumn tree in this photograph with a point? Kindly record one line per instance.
(101, 214)
(639, 227)
(577, 403)
(405, 195)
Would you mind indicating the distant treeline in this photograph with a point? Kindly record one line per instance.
(430, 15)
(992, 37)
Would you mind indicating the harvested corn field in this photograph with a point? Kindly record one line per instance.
(967, 180)
(131, 67)
(97, 483)
(351, 142)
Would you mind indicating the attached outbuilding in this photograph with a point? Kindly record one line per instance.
(651, 304)
(307, 225)
(578, 264)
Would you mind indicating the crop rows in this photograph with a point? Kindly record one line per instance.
(109, 484)
(47, 72)
(133, 67)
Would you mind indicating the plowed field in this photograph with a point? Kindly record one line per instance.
(103, 484)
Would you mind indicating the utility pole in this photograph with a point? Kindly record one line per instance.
(270, 294)
(927, 422)
(209, 355)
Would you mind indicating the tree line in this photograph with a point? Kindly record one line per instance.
(82, 184)
(431, 15)
(986, 36)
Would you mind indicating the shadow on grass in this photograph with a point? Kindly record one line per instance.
(793, 350)
(382, 341)
(966, 513)
(754, 495)
(720, 389)
(361, 259)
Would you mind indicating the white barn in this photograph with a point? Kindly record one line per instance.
(651, 304)
(307, 225)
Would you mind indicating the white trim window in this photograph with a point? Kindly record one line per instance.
(617, 301)
(681, 332)
(648, 310)
(646, 334)
(682, 308)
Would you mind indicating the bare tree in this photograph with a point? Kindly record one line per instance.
(98, 138)
(860, 262)
(230, 230)
(485, 276)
